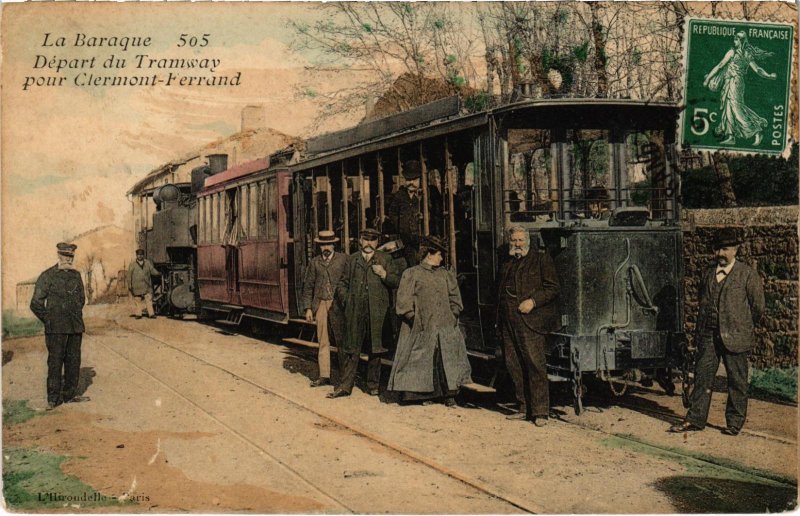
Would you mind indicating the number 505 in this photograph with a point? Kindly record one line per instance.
(700, 121)
(193, 41)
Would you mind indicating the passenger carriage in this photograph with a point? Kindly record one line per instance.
(592, 180)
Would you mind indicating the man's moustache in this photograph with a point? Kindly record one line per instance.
(368, 249)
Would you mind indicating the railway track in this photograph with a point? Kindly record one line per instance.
(478, 485)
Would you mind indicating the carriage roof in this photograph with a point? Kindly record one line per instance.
(445, 116)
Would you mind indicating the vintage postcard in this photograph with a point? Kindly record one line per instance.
(399, 257)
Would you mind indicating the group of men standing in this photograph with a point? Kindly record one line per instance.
(372, 297)
(366, 297)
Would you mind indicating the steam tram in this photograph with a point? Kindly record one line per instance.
(592, 180)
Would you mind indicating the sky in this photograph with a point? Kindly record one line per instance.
(70, 153)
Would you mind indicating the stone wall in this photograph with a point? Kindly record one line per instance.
(771, 247)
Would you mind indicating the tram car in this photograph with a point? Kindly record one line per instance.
(592, 180)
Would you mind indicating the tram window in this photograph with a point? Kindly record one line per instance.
(262, 209)
(244, 211)
(646, 171)
(201, 220)
(590, 170)
(322, 201)
(529, 183)
(219, 217)
(252, 218)
(272, 210)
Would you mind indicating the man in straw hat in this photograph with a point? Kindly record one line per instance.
(363, 296)
(319, 285)
(58, 301)
(731, 304)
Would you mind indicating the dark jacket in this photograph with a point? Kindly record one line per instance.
(317, 272)
(741, 305)
(363, 298)
(58, 300)
(429, 303)
(403, 217)
(536, 279)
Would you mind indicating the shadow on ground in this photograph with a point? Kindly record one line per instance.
(692, 494)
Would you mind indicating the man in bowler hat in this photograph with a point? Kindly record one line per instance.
(731, 304)
(58, 301)
(322, 277)
(403, 214)
(363, 296)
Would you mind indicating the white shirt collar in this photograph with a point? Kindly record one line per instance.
(727, 268)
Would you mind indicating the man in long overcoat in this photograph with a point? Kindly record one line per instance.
(58, 301)
(527, 311)
(731, 304)
(403, 214)
(321, 278)
(140, 285)
(363, 295)
(431, 359)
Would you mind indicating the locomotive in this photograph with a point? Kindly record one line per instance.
(593, 181)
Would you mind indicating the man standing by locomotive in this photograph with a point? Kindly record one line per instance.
(403, 214)
(58, 301)
(731, 304)
(140, 285)
(363, 295)
(527, 310)
(322, 277)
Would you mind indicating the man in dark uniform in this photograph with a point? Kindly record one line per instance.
(403, 214)
(527, 310)
(58, 301)
(363, 295)
(731, 304)
(321, 278)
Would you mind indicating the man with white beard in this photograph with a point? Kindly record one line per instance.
(527, 311)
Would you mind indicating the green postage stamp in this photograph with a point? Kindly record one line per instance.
(738, 75)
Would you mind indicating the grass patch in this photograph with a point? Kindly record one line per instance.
(33, 480)
(775, 383)
(715, 485)
(17, 411)
(700, 464)
(16, 326)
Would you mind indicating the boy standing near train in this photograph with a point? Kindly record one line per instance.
(363, 294)
(321, 278)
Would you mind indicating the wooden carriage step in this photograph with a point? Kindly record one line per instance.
(301, 342)
(334, 349)
(302, 321)
(476, 387)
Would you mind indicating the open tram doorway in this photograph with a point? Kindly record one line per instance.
(231, 238)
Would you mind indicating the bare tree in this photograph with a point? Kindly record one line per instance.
(384, 41)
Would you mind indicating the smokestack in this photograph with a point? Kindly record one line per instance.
(217, 162)
(254, 117)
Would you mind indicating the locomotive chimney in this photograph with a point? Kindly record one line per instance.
(217, 162)
(254, 117)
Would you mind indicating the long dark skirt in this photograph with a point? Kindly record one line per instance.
(440, 391)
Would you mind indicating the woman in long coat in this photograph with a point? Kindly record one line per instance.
(431, 359)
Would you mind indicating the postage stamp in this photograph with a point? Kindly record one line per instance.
(399, 257)
(738, 76)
